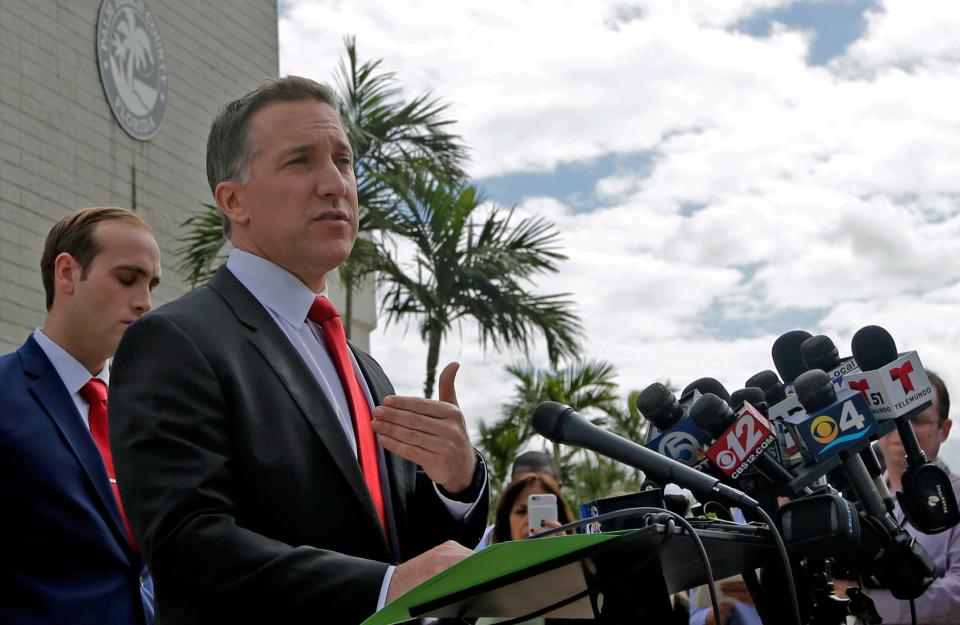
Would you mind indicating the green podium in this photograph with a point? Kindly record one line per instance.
(618, 577)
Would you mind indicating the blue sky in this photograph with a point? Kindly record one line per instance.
(720, 172)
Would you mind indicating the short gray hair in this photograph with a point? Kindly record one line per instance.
(229, 146)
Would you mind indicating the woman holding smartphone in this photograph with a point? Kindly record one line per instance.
(513, 510)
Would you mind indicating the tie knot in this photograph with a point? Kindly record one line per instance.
(94, 391)
(322, 310)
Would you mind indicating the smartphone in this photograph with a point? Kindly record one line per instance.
(540, 508)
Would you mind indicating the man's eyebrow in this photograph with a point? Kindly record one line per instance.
(295, 150)
(137, 269)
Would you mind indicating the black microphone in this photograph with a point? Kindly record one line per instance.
(819, 352)
(708, 385)
(769, 382)
(927, 496)
(675, 436)
(561, 424)
(874, 347)
(786, 355)
(752, 395)
(659, 406)
(714, 416)
(816, 393)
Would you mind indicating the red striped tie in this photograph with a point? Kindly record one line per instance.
(95, 394)
(324, 314)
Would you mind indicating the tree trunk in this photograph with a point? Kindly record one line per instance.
(433, 355)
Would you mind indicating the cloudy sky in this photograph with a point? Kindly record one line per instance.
(721, 171)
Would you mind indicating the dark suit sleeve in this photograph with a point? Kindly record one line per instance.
(171, 436)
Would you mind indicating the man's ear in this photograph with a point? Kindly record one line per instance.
(945, 429)
(66, 273)
(229, 196)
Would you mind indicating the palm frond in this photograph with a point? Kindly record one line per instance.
(200, 252)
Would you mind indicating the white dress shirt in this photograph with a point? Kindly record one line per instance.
(74, 375)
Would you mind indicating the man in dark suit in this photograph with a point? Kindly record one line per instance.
(244, 425)
(65, 555)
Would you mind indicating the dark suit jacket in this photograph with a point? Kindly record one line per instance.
(64, 555)
(237, 478)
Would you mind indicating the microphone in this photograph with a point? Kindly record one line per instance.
(708, 385)
(819, 352)
(927, 496)
(770, 384)
(779, 406)
(739, 439)
(787, 357)
(659, 406)
(561, 424)
(833, 422)
(752, 395)
(679, 438)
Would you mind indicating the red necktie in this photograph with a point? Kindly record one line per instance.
(324, 314)
(95, 394)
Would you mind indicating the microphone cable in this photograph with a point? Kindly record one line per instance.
(788, 571)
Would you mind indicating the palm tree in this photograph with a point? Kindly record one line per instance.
(469, 265)
(587, 385)
(388, 134)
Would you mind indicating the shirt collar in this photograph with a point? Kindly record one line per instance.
(73, 374)
(273, 286)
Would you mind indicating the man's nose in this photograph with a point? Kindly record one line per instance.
(142, 302)
(330, 180)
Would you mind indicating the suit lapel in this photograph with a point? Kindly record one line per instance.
(286, 363)
(48, 389)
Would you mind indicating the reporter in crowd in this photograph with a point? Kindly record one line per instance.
(941, 601)
(66, 555)
(510, 522)
(526, 462)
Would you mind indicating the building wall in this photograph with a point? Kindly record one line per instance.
(61, 149)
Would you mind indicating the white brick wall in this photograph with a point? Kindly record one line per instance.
(61, 149)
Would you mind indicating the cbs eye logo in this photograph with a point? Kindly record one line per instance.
(824, 429)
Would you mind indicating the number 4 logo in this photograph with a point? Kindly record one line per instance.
(851, 418)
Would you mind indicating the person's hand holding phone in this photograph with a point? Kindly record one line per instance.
(541, 513)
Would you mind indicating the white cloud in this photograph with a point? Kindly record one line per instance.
(775, 186)
(910, 32)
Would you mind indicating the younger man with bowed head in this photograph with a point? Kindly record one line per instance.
(270, 473)
(65, 551)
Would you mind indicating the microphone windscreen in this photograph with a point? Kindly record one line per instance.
(819, 352)
(814, 390)
(750, 394)
(770, 383)
(656, 403)
(548, 420)
(711, 414)
(708, 385)
(873, 347)
(786, 355)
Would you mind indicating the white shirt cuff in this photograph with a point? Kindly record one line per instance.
(382, 600)
(459, 510)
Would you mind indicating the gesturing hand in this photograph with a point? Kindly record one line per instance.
(429, 432)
